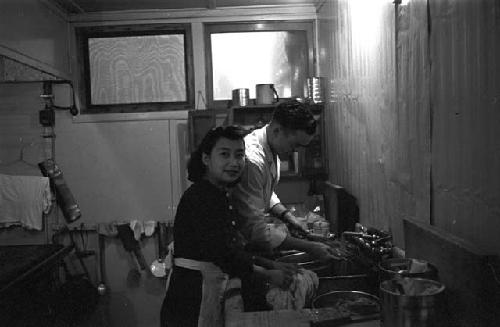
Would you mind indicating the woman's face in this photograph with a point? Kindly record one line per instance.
(226, 161)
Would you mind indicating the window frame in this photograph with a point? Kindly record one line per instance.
(84, 85)
(306, 25)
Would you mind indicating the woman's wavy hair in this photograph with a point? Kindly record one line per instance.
(195, 166)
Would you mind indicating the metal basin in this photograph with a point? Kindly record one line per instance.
(351, 303)
(363, 283)
(304, 260)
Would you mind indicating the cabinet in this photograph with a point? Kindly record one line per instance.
(309, 162)
(201, 121)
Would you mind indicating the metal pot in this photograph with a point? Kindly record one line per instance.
(304, 260)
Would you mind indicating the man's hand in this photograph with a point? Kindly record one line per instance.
(323, 252)
(293, 223)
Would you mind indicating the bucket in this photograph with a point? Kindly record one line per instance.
(411, 302)
(240, 97)
(407, 267)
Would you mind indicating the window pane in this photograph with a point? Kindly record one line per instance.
(244, 59)
(137, 69)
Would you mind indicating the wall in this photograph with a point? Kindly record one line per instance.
(414, 112)
(36, 34)
(356, 55)
(465, 99)
(20, 132)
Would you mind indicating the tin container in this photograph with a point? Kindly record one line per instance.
(240, 97)
(422, 307)
(314, 90)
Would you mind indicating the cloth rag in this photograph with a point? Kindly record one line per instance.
(24, 200)
(301, 291)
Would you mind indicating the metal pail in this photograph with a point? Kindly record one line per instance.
(240, 97)
(418, 305)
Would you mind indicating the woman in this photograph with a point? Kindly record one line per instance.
(208, 248)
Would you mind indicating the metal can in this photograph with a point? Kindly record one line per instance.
(314, 89)
(240, 97)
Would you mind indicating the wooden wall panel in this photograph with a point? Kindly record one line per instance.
(412, 137)
(419, 141)
(357, 44)
(465, 47)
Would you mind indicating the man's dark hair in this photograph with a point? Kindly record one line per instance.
(294, 115)
(195, 166)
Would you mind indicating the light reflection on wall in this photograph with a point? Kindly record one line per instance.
(366, 22)
(369, 27)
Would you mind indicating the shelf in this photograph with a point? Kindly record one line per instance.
(312, 161)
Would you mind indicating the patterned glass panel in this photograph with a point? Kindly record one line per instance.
(137, 69)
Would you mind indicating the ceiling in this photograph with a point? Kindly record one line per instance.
(95, 6)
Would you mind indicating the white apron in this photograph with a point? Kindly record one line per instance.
(213, 289)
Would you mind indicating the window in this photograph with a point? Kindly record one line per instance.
(136, 68)
(241, 55)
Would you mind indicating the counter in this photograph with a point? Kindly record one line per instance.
(282, 318)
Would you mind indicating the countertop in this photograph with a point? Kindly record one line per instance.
(283, 318)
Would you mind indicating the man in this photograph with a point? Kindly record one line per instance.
(291, 127)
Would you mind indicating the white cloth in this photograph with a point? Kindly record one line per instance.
(300, 292)
(24, 200)
(214, 286)
(142, 227)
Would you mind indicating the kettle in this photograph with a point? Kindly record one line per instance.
(265, 94)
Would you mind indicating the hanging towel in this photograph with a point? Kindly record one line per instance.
(24, 200)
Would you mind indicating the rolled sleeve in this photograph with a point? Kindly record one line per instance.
(274, 200)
